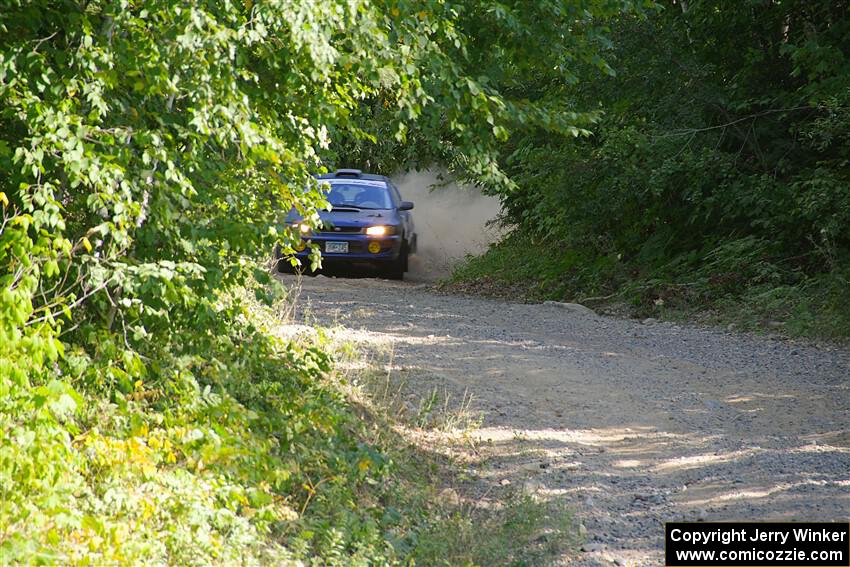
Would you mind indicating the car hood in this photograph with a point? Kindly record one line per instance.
(352, 217)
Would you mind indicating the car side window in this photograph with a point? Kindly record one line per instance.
(395, 193)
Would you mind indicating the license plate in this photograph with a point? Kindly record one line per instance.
(336, 247)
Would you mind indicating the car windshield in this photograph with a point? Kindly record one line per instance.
(360, 193)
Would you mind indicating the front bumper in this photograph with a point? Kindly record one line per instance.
(358, 248)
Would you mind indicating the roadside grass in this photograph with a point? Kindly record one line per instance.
(732, 285)
(446, 522)
(523, 532)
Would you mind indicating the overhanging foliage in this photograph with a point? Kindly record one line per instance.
(148, 153)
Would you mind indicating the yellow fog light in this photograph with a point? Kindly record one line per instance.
(301, 246)
(376, 231)
(374, 247)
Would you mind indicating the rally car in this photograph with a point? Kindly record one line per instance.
(368, 224)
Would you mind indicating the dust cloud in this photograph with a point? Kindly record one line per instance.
(451, 222)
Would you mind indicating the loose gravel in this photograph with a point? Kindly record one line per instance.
(631, 423)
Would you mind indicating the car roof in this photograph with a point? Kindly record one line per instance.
(352, 174)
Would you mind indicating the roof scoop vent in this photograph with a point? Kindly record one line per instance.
(355, 173)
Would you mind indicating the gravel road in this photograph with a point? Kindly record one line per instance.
(631, 424)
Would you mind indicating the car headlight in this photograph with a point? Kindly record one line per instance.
(302, 226)
(380, 230)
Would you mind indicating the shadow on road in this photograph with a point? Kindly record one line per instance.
(632, 425)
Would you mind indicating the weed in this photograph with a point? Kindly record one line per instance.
(522, 531)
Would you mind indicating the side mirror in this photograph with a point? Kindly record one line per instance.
(405, 205)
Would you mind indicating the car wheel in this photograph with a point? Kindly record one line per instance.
(396, 269)
(284, 267)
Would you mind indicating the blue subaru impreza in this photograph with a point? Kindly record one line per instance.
(367, 224)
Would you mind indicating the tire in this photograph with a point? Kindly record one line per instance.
(284, 267)
(396, 268)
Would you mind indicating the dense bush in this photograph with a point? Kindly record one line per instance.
(719, 164)
(205, 449)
